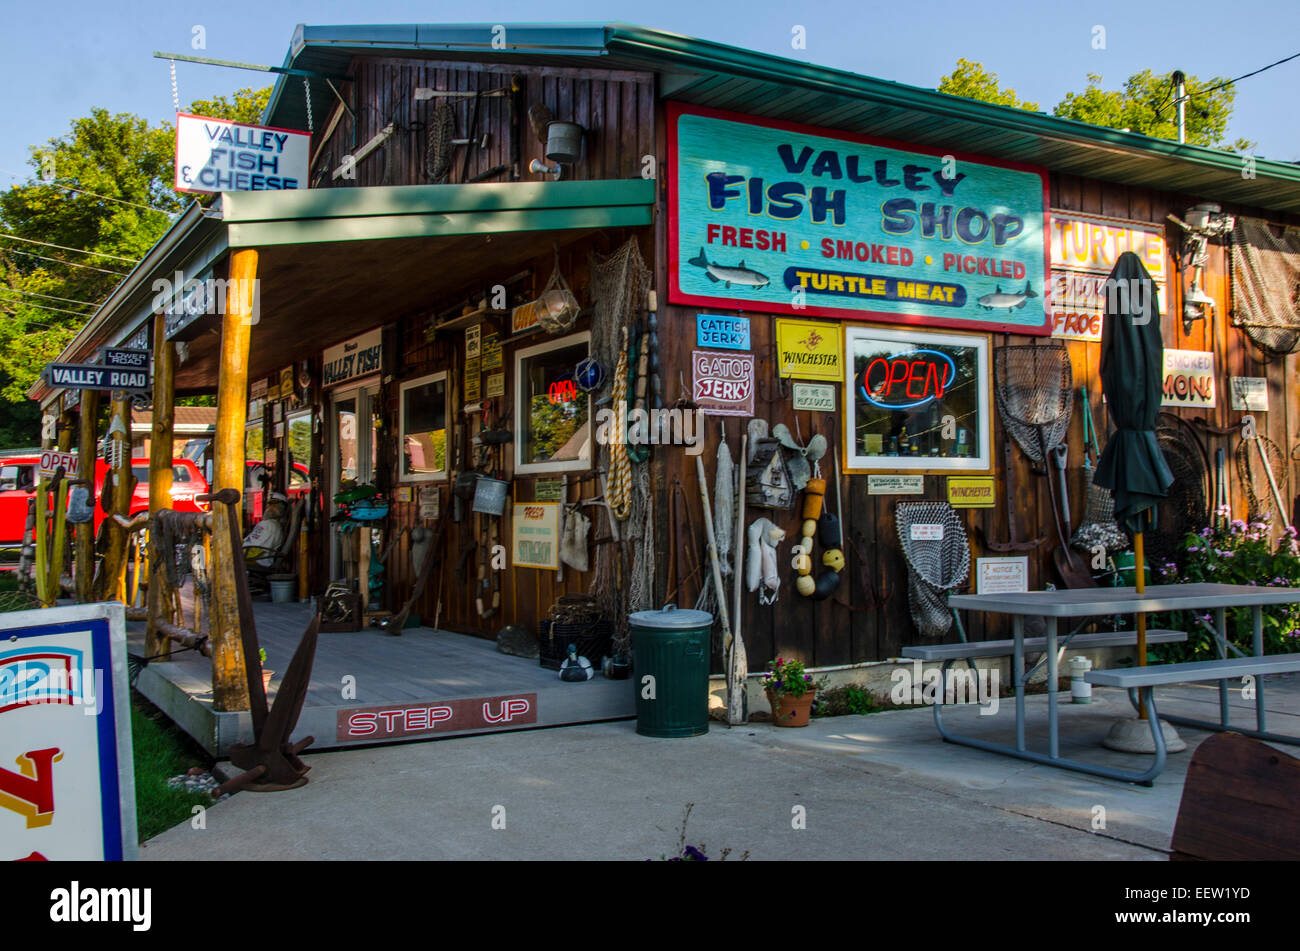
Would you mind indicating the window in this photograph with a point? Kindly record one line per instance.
(424, 428)
(552, 416)
(300, 451)
(920, 401)
(253, 443)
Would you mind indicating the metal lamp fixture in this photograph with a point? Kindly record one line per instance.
(1203, 222)
(563, 146)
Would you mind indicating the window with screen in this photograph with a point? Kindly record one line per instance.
(424, 428)
(552, 415)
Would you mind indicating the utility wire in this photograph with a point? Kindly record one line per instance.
(66, 300)
(73, 188)
(1255, 73)
(102, 254)
(59, 310)
(68, 263)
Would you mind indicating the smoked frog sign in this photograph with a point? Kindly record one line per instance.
(798, 220)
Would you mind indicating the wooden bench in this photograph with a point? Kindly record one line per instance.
(1034, 644)
(1238, 803)
(1145, 679)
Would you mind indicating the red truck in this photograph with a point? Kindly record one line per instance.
(18, 484)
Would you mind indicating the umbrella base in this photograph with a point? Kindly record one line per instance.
(1131, 735)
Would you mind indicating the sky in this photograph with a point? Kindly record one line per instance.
(61, 58)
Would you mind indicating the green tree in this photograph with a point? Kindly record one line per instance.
(1145, 104)
(972, 81)
(106, 187)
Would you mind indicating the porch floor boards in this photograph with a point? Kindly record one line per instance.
(420, 666)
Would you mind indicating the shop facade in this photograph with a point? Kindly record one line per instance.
(829, 253)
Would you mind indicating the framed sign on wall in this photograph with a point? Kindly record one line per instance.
(916, 400)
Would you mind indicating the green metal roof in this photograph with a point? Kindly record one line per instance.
(726, 77)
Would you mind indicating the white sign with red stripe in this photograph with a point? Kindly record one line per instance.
(51, 460)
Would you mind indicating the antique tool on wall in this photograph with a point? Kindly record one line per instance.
(1012, 494)
(1098, 527)
(1262, 468)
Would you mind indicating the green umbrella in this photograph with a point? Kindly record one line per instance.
(1132, 379)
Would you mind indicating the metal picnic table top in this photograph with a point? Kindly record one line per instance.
(1086, 602)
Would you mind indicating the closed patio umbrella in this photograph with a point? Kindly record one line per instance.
(1132, 379)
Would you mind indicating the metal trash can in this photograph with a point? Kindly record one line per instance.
(671, 647)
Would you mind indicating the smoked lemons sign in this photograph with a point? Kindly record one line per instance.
(1189, 378)
(67, 788)
(799, 220)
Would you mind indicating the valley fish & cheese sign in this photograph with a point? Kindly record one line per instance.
(218, 155)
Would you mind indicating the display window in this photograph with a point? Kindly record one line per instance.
(552, 415)
(424, 428)
(917, 400)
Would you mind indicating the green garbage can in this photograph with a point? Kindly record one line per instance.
(670, 657)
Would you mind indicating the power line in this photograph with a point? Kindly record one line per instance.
(66, 300)
(72, 188)
(68, 263)
(59, 310)
(1255, 73)
(102, 254)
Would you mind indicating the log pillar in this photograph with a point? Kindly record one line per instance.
(111, 582)
(86, 451)
(161, 598)
(229, 685)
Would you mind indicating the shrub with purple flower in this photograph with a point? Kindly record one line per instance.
(788, 677)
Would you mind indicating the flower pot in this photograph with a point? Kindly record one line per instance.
(791, 711)
(266, 680)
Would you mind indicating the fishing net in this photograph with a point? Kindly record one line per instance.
(1266, 285)
(1185, 507)
(938, 561)
(1098, 526)
(438, 145)
(1034, 390)
(1253, 474)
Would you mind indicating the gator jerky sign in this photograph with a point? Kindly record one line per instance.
(217, 155)
(66, 775)
(399, 720)
(794, 219)
(723, 382)
(1189, 378)
(355, 358)
(809, 351)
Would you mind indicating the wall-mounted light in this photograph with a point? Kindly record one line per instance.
(1203, 222)
(563, 146)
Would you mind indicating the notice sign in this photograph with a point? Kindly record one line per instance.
(1189, 378)
(217, 155)
(67, 788)
(895, 485)
(723, 382)
(971, 492)
(927, 532)
(817, 397)
(1002, 575)
(1249, 393)
(444, 716)
(51, 461)
(722, 333)
(780, 217)
(535, 535)
(810, 351)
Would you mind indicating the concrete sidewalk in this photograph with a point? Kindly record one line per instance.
(875, 787)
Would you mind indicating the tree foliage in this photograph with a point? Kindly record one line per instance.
(972, 81)
(105, 186)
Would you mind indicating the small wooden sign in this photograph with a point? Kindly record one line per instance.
(927, 532)
(548, 490)
(1002, 575)
(895, 485)
(1249, 393)
(817, 397)
(971, 492)
(431, 501)
(473, 341)
(492, 351)
(495, 385)
(404, 493)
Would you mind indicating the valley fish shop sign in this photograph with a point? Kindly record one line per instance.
(794, 219)
(217, 155)
(358, 357)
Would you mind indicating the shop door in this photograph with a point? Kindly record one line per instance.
(353, 445)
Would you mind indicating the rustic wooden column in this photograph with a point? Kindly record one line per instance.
(229, 686)
(86, 450)
(161, 598)
(112, 578)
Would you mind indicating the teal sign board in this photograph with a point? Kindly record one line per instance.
(725, 333)
(792, 219)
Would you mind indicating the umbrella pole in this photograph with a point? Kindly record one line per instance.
(1139, 576)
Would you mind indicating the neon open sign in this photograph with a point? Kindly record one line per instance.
(563, 391)
(907, 380)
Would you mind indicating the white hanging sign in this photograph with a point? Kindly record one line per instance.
(927, 533)
(218, 155)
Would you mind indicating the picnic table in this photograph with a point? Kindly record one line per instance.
(1083, 603)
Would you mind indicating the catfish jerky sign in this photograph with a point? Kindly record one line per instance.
(724, 382)
(217, 155)
(794, 219)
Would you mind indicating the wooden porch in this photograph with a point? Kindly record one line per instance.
(426, 684)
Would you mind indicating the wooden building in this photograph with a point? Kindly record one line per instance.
(390, 293)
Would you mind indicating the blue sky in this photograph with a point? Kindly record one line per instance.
(60, 59)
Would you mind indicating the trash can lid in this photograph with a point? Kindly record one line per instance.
(671, 618)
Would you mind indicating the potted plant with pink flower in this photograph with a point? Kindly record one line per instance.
(791, 691)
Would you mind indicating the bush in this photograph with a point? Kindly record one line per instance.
(847, 700)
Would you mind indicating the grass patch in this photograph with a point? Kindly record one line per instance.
(161, 752)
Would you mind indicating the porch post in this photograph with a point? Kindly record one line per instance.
(160, 483)
(112, 580)
(86, 452)
(229, 686)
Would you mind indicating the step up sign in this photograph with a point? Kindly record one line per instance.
(67, 788)
(85, 376)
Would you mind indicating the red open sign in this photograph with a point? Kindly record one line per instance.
(563, 391)
(907, 380)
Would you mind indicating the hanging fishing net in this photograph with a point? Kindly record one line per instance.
(938, 561)
(1185, 507)
(1034, 391)
(1250, 456)
(1266, 285)
(1098, 526)
(438, 145)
